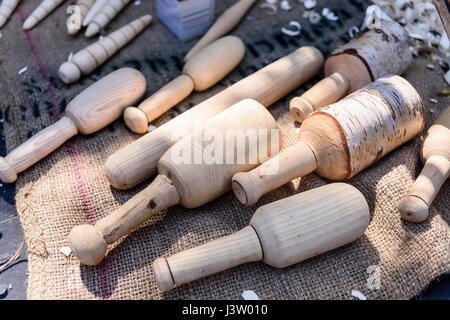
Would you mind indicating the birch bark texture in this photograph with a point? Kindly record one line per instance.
(342, 139)
(138, 161)
(281, 233)
(182, 179)
(372, 55)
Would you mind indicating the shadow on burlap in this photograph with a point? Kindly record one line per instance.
(69, 188)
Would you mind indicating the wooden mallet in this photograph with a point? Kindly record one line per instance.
(342, 139)
(202, 71)
(436, 156)
(281, 234)
(374, 54)
(138, 160)
(91, 110)
(184, 180)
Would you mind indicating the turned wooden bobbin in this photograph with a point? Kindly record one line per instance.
(206, 68)
(87, 60)
(224, 24)
(104, 16)
(342, 139)
(281, 234)
(6, 9)
(436, 157)
(43, 10)
(191, 173)
(137, 161)
(374, 54)
(91, 110)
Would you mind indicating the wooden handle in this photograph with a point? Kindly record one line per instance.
(164, 99)
(296, 161)
(43, 10)
(224, 24)
(36, 148)
(325, 92)
(415, 207)
(6, 9)
(104, 16)
(212, 257)
(89, 242)
(137, 161)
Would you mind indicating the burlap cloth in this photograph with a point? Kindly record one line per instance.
(69, 187)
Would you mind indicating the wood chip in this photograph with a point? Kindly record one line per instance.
(22, 70)
(66, 251)
(359, 295)
(249, 295)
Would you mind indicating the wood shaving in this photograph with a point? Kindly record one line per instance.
(290, 32)
(271, 8)
(22, 70)
(249, 295)
(285, 5)
(430, 66)
(66, 251)
(309, 4)
(353, 31)
(330, 15)
(69, 58)
(313, 17)
(359, 295)
(137, 3)
(432, 100)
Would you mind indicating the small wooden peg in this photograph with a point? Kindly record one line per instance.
(91, 57)
(91, 110)
(436, 156)
(39, 14)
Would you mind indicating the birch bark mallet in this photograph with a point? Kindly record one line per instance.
(85, 6)
(281, 233)
(373, 55)
(224, 24)
(184, 180)
(91, 110)
(105, 15)
(6, 9)
(96, 7)
(87, 60)
(436, 156)
(202, 71)
(39, 14)
(342, 139)
(137, 161)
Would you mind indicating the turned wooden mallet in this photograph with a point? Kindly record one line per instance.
(374, 54)
(138, 160)
(183, 180)
(206, 68)
(436, 157)
(90, 58)
(281, 234)
(342, 139)
(91, 110)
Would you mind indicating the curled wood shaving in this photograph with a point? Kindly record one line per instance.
(292, 33)
(309, 4)
(271, 8)
(285, 5)
(359, 295)
(249, 295)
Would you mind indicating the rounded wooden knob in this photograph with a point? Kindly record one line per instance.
(300, 108)
(242, 188)
(7, 173)
(136, 120)
(413, 209)
(163, 275)
(69, 72)
(87, 244)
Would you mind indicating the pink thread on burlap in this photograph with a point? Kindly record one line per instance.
(106, 294)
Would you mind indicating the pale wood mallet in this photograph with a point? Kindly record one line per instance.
(182, 179)
(281, 233)
(91, 110)
(370, 56)
(90, 58)
(202, 71)
(138, 160)
(84, 7)
(6, 9)
(224, 24)
(105, 15)
(436, 156)
(42, 11)
(342, 139)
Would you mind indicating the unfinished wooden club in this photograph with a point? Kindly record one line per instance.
(374, 54)
(201, 72)
(281, 234)
(91, 110)
(137, 161)
(191, 173)
(342, 139)
(436, 156)
(224, 24)
(88, 59)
